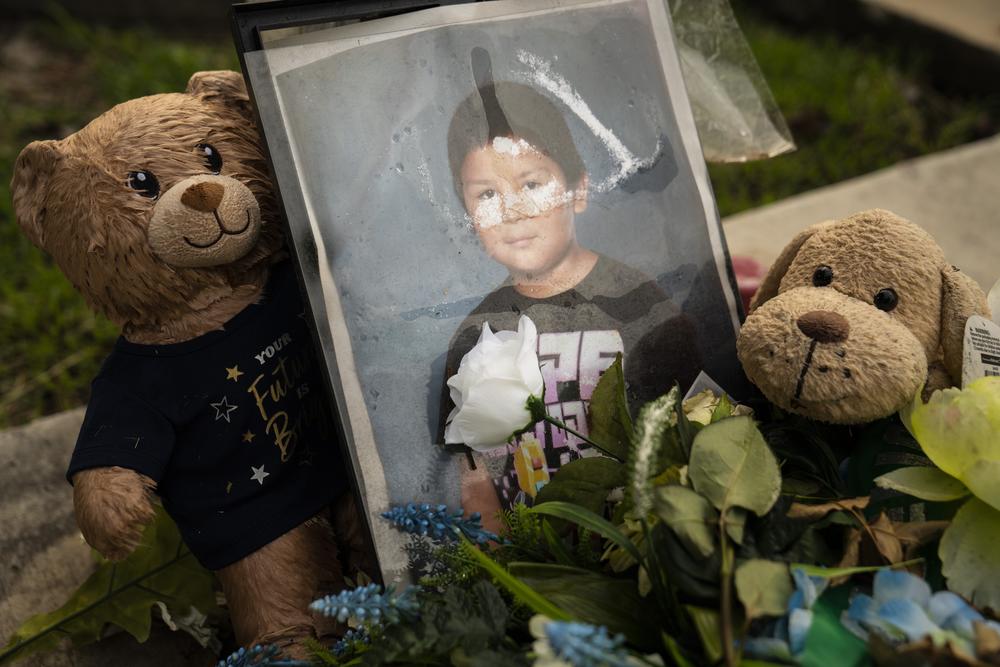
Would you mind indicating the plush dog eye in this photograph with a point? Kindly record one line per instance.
(212, 158)
(822, 276)
(144, 183)
(886, 299)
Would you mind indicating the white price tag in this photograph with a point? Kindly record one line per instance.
(981, 350)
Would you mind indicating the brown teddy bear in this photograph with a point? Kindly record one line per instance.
(854, 316)
(161, 213)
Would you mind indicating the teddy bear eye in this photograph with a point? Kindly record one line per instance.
(822, 276)
(212, 158)
(886, 299)
(144, 183)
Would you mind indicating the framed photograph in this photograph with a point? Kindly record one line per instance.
(446, 168)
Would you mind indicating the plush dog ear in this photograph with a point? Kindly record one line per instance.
(221, 87)
(29, 187)
(772, 281)
(961, 298)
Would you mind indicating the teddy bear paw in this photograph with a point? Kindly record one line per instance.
(112, 507)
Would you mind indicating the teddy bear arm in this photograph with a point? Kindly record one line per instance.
(112, 506)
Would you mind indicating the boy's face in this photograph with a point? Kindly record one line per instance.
(521, 205)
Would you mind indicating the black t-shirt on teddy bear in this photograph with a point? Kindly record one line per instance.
(231, 425)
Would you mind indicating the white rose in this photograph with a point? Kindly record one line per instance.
(492, 387)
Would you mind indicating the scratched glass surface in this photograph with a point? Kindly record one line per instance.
(404, 227)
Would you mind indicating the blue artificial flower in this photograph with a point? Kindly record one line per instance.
(436, 522)
(350, 641)
(259, 656)
(901, 609)
(368, 603)
(579, 644)
(785, 638)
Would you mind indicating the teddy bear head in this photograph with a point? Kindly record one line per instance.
(854, 316)
(158, 209)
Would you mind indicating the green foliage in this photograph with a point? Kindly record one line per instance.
(763, 587)
(521, 591)
(610, 422)
(732, 466)
(924, 483)
(462, 627)
(133, 63)
(586, 482)
(161, 569)
(690, 516)
(969, 557)
(853, 107)
(613, 602)
(706, 623)
(589, 520)
(447, 565)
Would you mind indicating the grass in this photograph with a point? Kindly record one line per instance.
(852, 110)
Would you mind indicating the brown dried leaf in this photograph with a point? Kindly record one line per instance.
(816, 512)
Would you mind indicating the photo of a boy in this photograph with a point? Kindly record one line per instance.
(522, 183)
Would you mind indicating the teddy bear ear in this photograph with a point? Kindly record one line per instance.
(772, 281)
(30, 187)
(961, 298)
(222, 87)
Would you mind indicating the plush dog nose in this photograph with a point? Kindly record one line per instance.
(824, 326)
(204, 196)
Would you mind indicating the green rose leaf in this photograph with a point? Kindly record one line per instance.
(923, 482)
(732, 466)
(969, 557)
(736, 522)
(706, 623)
(594, 598)
(585, 482)
(763, 587)
(610, 422)
(690, 516)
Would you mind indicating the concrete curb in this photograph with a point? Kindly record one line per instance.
(952, 194)
(45, 558)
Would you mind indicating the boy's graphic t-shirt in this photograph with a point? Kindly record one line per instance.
(232, 426)
(615, 309)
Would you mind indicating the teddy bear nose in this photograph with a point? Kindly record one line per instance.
(204, 196)
(824, 326)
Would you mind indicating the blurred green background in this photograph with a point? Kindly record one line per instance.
(853, 105)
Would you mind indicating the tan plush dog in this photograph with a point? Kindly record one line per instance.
(161, 213)
(854, 316)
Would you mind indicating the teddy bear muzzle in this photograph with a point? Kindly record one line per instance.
(204, 220)
(830, 357)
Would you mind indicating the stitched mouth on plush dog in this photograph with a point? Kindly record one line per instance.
(222, 232)
(829, 357)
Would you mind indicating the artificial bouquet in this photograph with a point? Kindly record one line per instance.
(703, 535)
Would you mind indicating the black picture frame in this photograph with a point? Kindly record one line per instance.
(250, 23)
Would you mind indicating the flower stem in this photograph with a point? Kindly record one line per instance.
(726, 602)
(559, 424)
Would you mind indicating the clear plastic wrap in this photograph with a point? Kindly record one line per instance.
(737, 117)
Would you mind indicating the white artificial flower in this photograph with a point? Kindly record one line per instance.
(492, 387)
